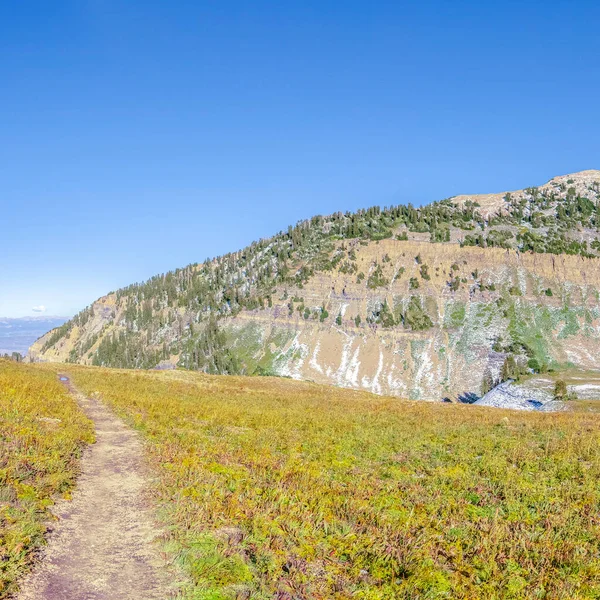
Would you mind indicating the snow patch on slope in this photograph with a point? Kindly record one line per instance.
(297, 354)
(313, 359)
(519, 397)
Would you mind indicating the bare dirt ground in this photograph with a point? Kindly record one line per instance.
(104, 546)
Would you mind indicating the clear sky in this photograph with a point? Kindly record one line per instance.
(139, 136)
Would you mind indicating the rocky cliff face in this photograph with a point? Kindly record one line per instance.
(405, 317)
(473, 328)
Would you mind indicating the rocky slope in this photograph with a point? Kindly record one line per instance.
(421, 303)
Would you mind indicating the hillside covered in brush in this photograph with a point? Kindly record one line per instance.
(425, 303)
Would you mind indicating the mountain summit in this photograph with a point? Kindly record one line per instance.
(426, 303)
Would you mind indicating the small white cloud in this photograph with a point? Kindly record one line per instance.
(40, 309)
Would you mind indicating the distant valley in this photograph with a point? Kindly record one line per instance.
(16, 335)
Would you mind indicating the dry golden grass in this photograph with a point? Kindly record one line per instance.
(279, 489)
(42, 432)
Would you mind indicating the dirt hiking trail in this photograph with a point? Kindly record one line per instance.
(103, 546)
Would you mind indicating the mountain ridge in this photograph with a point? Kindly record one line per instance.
(492, 202)
(390, 297)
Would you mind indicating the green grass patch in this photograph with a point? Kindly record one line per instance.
(274, 488)
(454, 316)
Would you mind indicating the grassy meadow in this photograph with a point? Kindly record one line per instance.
(278, 489)
(42, 433)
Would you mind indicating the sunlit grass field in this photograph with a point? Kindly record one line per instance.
(42, 433)
(279, 489)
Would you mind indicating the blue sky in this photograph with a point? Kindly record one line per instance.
(137, 137)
